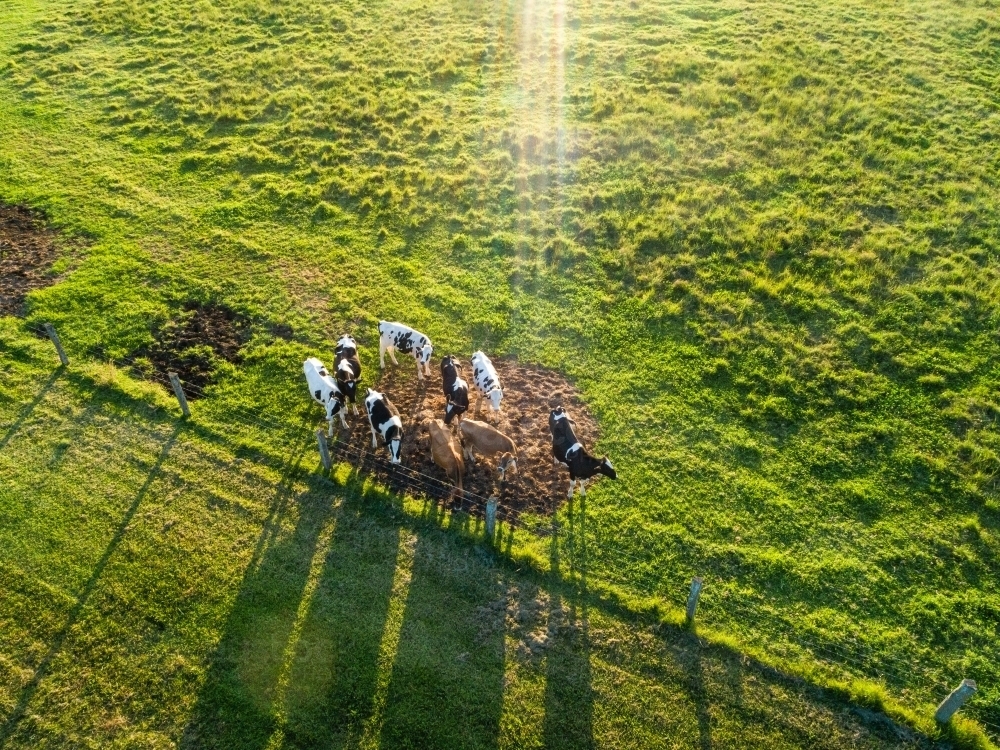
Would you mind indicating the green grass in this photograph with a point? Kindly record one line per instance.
(167, 585)
(762, 238)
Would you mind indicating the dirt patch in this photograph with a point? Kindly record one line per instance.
(28, 248)
(530, 393)
(191, 344)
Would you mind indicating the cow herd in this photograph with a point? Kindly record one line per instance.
(451, 444)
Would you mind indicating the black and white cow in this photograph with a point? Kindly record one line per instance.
(568, 451)
(456, 390)
(486, 380)
(347, 367)
(324, 391)
(394, 337)
(384, 420)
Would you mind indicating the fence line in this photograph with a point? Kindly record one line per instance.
(433, 487)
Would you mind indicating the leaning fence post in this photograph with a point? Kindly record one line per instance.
(179, 392)
(324, 450)
(692, 604)
(950, 705)
(58, 344)
(491, 517)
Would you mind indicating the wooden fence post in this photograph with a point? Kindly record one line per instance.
(692, 604)
(58, 344)
(179, 392)
(950, 705)
(491, 517)
(324, 450)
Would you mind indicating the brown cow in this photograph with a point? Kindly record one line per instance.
(488, 441)
(446, 452)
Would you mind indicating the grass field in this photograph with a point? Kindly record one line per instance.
(762, 238)
(167, 586)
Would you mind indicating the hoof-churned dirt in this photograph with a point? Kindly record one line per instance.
(189, 344)
(27, 251)
(537, 486)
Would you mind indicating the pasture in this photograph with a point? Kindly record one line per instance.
(761, 240)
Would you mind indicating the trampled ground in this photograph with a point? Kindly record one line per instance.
(537, 486)
(760, 239)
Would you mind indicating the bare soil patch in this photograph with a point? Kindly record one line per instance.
(191, 343)
(28, 248)
(538, 485)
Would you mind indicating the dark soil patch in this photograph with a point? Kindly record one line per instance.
(192, 343)
(538, 485)
(28, 248)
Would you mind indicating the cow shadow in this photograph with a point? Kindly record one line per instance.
(337, 666)
(569, 695)
(447, 680)
(239, 702)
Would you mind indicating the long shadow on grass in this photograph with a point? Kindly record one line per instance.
(28, 691)
(446, 685)
(29, 408)
(569, 696)
(344, 640)
(240, 702)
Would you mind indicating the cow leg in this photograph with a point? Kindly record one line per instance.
(381, 354)
(343, 421)
(374, 444)
(583, 488)
(356, 412)
(392, 355)
(420, 371)
(329, 432)
(572, 482)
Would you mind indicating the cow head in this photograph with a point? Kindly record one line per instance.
(346, 342)
(395, 443)
(495, 396)
(607, 469)
(508, 462)
(424, 357)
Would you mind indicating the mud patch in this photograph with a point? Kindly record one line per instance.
(538, 485)
(28, 248)
(192, 343)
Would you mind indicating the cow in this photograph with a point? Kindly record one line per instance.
(568, 451)
(324, 391)
(488, 441)
(446, 453)
(347, 368)
(486, 381)
(456, 390)
(384, 420)
(393, 337)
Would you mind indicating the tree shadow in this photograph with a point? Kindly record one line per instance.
(27, 410)
(569, 695)
(239, 703)
(446, 685)
(9, 727)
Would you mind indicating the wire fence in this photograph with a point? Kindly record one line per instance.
(845, 657)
